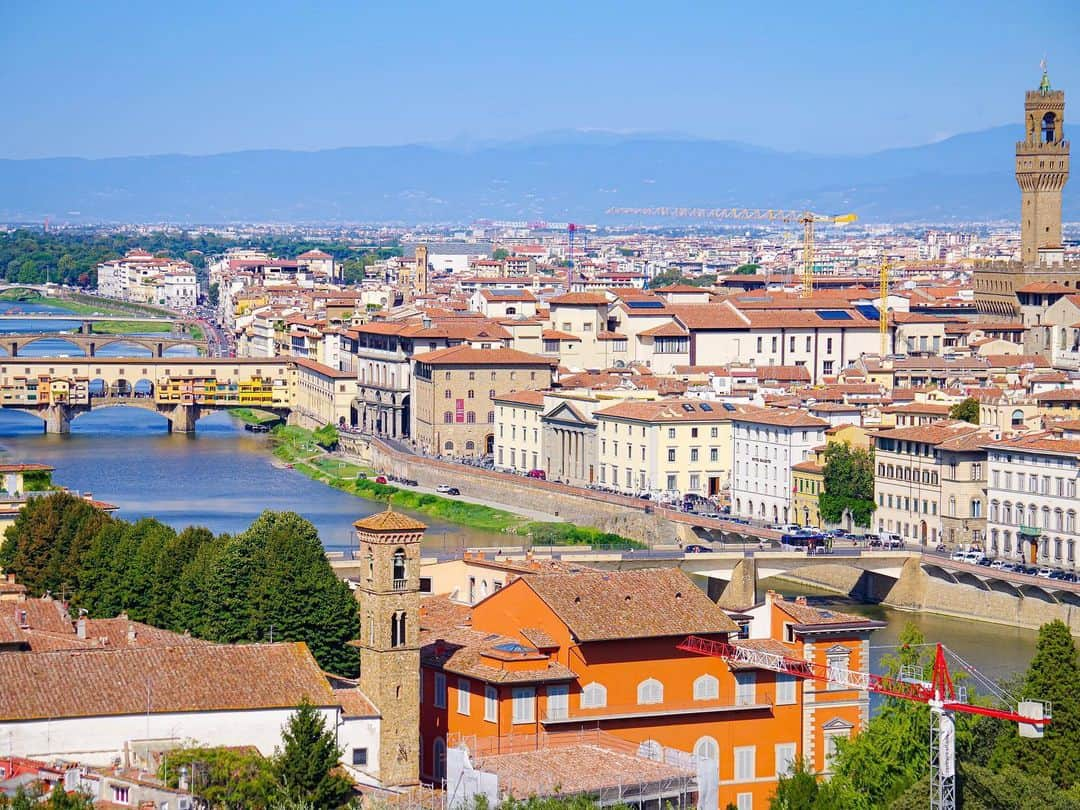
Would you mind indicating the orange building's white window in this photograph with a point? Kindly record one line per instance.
(594, 696)
(745, 763)
(524, 704)
(463, 695)
(558, 706)
(707, 748)
(706, 688)
(785, 690)
(785, 759)
(650, 691)
(651, 749)
(745, 688)
(491, 704)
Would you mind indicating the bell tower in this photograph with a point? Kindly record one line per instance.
(421, 276)
(389, 600)
(1042, 168)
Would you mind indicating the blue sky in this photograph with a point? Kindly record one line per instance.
(109, 78)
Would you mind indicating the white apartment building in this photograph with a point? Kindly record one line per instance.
(518, 431)
(766, 442)
(668, 447)
(1032, 499)
(142, 278)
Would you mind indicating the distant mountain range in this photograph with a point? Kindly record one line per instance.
(558, 176)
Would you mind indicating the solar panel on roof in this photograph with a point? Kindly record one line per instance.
(868, 311)
(834, 315)
(687, 407)
(728, 406)
(645, 304)
(705, 406)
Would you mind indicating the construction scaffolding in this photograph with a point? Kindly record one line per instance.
(586, 762)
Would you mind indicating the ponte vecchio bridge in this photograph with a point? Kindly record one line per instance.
(182, 389)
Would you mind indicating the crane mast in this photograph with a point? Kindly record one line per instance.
(939, 694)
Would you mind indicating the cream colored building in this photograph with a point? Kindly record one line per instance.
(518, 432)
(930, 482)
(324, 395)
(667, 448)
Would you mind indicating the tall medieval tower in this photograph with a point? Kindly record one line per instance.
(1010, 289)
(389, 597)
(1042, 168)
(421, 285)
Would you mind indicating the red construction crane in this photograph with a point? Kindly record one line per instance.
(943, 698)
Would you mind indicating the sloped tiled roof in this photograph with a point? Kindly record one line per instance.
(467, 355)
(647, 603)
(389, 521)
(186, 678)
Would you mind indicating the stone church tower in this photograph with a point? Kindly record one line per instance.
(389, 597)
(1042, 168)
(1017, 289)
(421, 285)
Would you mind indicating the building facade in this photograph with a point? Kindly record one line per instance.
(766, 444)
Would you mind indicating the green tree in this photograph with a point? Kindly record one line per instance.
(229, 778)
(190, 605)
(849, 484)
(326, 436)
(61, 800)
(500, 254)
(795, 791)
(294, 590)
(45, 544)
(307, 765)
(1054, 676)
(148, 541)
(229, 612)
(968, 411)
(213, 294)
(747, 269)
(179, 552)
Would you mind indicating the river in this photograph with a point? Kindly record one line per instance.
(222, 477)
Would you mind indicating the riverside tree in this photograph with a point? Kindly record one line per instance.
(849, 484)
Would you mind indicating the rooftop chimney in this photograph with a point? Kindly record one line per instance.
(800, 600)
(131, 634)
(80, 628)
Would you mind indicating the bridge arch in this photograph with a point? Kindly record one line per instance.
(72, 347)
(120, 388)
(143, 389)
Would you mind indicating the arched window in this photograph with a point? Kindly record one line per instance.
(594, 696)
(1017, 418)
(438, 759)
(448, 446)
(491, 417)
(491, 393)
(1057, 548)
(397, 629)
(470, 417)
(370, 565)
(447, 394)
(448, 417)
(706, 748)
(1070, 522)
(651, 749)
(650, 691)
(470, 445)
(706, 688)
(1049, 128)
(1059, 520)
(994, 511)
(399, 568)
(471, 394)
(994, 541)
(1045, 517)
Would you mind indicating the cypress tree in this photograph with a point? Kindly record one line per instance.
(306, 767)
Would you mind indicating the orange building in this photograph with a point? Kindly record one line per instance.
(597, 652)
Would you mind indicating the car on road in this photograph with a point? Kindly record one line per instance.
(696, 548)
(540, 474)
(1044, 573)
(999, 565)
(984, 560)
(380, 479)
(446, 489)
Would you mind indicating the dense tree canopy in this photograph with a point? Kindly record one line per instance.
(849, 484)
(272, 580)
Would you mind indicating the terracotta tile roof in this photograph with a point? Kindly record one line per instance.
(647, 603)
(810, 616)
(682, 288)
(468, 356)
(325, 371)
(767, 645)
(13, 468)
(1063, 395)
(186, 678)
(438, 614)
(555, 334)
(389, 521)
(669, 329)
(669, 410)
(808, 467)
(931, 408)
(477, 654)
(590, 299)
(510, 296)
(780, 417)
(522, 397)
(1044, 287)
(575, 769)
(354, 703)
(784, 373)
(1044, 442)
(606, 335)
(1016, 360)
(708, 316)
(538, 638)
(934, 433)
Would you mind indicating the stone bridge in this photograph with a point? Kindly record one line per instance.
(910, 580)
(89, 344)
(135, 382)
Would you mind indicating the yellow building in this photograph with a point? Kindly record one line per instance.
(808, 477)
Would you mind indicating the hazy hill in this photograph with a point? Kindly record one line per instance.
(555, 176)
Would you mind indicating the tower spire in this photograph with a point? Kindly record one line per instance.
(1044, 85)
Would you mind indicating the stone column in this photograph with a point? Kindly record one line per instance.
(183, 418)
(57, 419)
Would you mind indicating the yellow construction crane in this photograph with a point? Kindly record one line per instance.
(806, 218)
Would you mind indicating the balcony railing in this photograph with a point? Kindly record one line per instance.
(1031, 531)
(761, 701)
(400, 584)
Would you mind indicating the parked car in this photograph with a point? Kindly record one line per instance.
(537, 474)
(380, 479)
(959, 555)
(446, 489)
(984, 560)
(999, 565)
(1044, 573)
